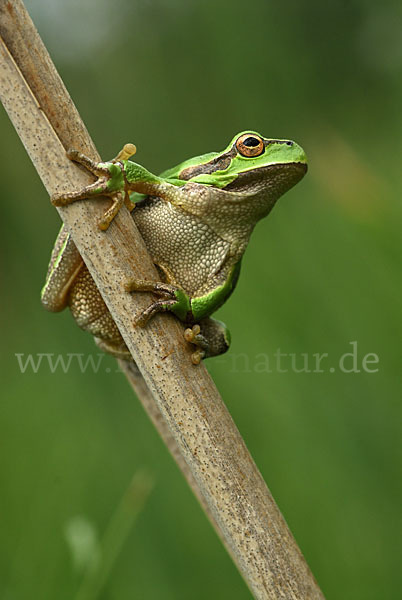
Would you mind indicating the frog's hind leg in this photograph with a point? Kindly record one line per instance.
(210, 336)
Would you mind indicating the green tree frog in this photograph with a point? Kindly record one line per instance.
(196, 220)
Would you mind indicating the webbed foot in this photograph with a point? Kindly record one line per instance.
(110, 182)
(210, 336)
(193, 335)
(171, 298)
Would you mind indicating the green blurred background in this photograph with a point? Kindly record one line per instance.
(179, 79)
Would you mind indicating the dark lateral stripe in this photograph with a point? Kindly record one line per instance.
(220, 163)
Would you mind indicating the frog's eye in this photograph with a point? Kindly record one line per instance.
(250, 145)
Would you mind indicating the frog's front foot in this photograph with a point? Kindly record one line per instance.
(110, 182)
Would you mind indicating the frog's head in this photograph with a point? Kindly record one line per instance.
(251, 164)
(265, 165)
(244, 180)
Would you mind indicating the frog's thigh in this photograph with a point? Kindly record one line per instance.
(91, 314)
(217, 335)
(90, 311)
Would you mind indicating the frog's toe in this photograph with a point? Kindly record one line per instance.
(159, 306)
(193, 336)
(211, 338)
(126, 152)
(197, 356)
(94, 189)
(191, 332)
(110, 214)
(156, 287)
(92, 166)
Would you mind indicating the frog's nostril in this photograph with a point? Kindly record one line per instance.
(289, 143)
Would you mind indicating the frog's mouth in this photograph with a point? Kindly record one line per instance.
(276, 179)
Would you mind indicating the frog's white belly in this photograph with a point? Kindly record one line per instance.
(190, 249)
